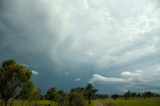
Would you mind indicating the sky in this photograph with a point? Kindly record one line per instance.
(113, 44)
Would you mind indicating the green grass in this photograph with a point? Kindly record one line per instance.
(105, 102)
(39, 102)
(132, 102)
(31, 102)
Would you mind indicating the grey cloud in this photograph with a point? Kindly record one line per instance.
(81, 36)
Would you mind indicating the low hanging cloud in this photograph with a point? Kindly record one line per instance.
(137, 79)
(106, 80)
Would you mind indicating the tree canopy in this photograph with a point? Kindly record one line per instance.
(89, 92)
(13, 77)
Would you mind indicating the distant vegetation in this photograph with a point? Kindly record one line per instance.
(15, 84)
(131, 95)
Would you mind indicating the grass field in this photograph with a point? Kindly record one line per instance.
(105, 102)
(132, 102)
(38, 103)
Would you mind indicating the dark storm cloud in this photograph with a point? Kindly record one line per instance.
(82, 38)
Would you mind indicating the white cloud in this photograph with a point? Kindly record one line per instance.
(77, 79)
(106, 80)
(139, 79)
(35, 72)
(128, 74)
(104, 38)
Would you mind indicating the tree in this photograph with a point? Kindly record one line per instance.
(115, 96)
(127, 95)
(29, 92)
(51, 94)
(138, 95)
(13, 77)
(78, 90)
(57, 96)
(89, 92)
(61, 98)
(76, 99)
(133, 94)
(148, 94)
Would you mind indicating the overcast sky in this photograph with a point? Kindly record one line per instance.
(113, 44)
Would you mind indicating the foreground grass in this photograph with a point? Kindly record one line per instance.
(31, 103)
(132, 102)
(105, 102)
(39, 103)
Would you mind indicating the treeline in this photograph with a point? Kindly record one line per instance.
(130, 95)
(76, 97)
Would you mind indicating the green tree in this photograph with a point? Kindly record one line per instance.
(51, 94)
(115, 96)
(57, 96)
(29, 92)
(76, 99)
(61, 98)
(78, 90)
(89, 92)
(13, 77)
(148, 94)
(127, 95)
(133, 94)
